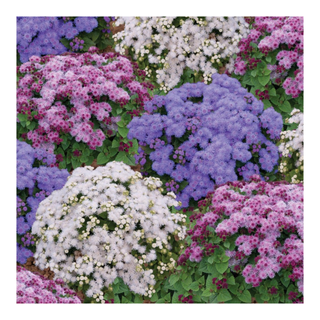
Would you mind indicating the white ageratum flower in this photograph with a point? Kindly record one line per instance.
(113, 226)
(201, 44)
(291, 146)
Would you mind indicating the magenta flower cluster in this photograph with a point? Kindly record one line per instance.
(68, 94)
(32, 288)
(268, 217)
(284, 34)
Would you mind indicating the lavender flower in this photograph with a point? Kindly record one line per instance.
(212, 134)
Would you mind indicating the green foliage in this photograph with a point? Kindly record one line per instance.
(258, 82)
(96, 38)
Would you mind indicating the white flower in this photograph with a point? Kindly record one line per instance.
(103, 254)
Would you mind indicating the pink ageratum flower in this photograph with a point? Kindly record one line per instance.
(32, 288)
(262, 214)
(271, 33)
(65, 93)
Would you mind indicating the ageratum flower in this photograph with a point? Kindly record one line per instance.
(75, 100)
(213, 134)
(168, 46)
(37, 177)
(291, 149)
(263, 222)
(283, 35)
(38, 36)
(33, 288)
(108, 223)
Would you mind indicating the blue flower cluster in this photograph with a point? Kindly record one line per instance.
(215, 129)
(41, 35)
(37, 178)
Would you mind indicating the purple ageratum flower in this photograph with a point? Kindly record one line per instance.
(215, 135)
(41, 35)
(45, 177)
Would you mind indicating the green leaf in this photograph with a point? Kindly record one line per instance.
(90, 160)
(224, 295)
(115, 143)
(113, 151)
(138, 299)
(254, 72)
(210, 259)
(102, 158)
(125, 300)
(174, 278)
(222, 267)
(121, 123)
(175, 298)
(206, 293)
(233, 288)
(121, 156)
(186, 283)
(266, 103)
(285, 107)
(95, 35)
(65, 144)
(22, 117)
(245, 296)
(201, 280)
(154, 297)
(263, 80)
(194, 286)
(231, 280)
(123, 132)
(75, 163)
(272, 92)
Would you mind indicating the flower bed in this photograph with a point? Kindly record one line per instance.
(152, 177)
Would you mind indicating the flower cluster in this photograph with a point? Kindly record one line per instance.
(108, 223)
(37, 177)
(265, 223)
(229, 138)
(167, 46)
(38, 36)
(32, 288)
(77, 98)
(291, 149)
(283, 35)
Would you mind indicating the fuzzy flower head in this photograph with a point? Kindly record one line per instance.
(263, 220)
(212, 134)
(77, 99)
(32, 288)
(37, 177)
(284, 36)
(168, 46)
(291, 148)
(108, 223)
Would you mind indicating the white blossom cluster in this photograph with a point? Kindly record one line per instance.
(291, 147)
(202, 44)
(107, 223)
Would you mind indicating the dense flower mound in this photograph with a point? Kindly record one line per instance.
(32, 288)
(291, 149)
(77, 98)
(263, 224)
(37, 177)
(38, 36)
(281, 34)
(200, 135)
(166, 46)
(108, 223)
